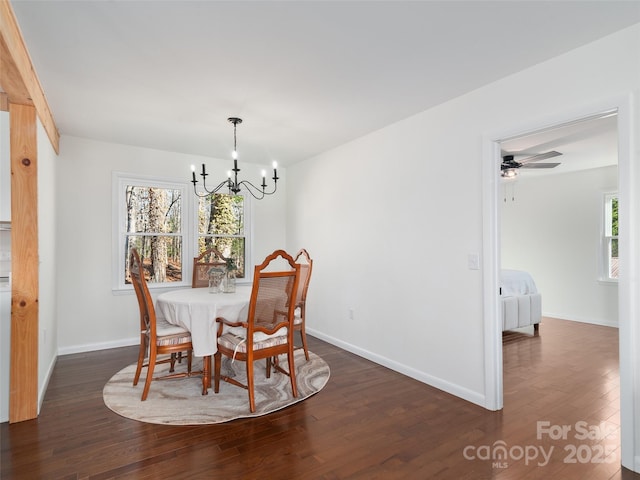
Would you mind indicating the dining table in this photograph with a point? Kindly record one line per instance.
(196, 310)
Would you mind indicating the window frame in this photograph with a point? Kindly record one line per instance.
(188, 228)
(120, 181)
(607, 236)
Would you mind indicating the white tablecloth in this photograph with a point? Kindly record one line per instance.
(196, 310)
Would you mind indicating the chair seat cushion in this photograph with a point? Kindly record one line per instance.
(174, 339)
(235, 339)
(169, 334)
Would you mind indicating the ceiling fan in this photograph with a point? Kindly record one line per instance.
(509, 167)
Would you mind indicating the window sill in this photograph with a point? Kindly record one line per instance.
(152, 289)
(156, 290)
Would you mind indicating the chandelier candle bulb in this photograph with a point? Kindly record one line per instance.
(193, 174)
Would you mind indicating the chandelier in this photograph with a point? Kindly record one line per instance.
(234, 186)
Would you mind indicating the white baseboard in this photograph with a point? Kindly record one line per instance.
(45, 384)
(440, 384)
(92, 347)
(572, 318)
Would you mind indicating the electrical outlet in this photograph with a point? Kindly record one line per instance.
(351, 313)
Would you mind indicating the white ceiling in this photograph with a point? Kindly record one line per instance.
(583, 143)
(305, 76)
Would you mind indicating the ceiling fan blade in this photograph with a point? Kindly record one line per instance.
(540, 165)
(540, 156)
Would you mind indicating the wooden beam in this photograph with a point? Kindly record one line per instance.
(4, 102)
(23, 391)
(18, 76)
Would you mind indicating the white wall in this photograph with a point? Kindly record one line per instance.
(552, 229)
(391, 218)
(91, 316)
(47, 285)
(5, 171)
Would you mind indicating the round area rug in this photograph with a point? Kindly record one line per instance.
(180, 401)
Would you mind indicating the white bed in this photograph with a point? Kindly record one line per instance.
(521, 301)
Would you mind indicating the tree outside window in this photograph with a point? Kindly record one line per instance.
(611, 235)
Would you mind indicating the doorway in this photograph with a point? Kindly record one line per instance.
(555, 184)
(492, 193)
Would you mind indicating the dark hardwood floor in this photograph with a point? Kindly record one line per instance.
(368, 422)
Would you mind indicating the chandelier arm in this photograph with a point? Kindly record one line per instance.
(251, 188)
(208, 192)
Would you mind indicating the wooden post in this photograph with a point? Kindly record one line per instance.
(23, 396)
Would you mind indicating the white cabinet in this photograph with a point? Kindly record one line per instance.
(5, 345)
(5, 169)
(5, 252)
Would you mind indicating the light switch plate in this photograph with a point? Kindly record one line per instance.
(473, 261)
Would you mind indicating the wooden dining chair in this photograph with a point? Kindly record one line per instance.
(306, 265)
(157, 337)
(268, 329)
(203, 263)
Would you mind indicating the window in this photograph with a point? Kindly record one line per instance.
(610, 237)
(170, 226)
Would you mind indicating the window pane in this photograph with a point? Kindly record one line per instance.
(161, 257)
(221, 225)
(229, 247)
(610, 237)
(613, 258)
(221, 214)
(153, 210)
(614, 218)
